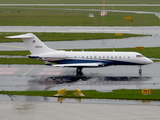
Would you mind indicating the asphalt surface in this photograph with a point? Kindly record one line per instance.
(151, 30)
(50, 111)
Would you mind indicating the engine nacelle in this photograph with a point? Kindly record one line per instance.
(53, 56)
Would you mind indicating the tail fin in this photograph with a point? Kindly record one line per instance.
(32, 42)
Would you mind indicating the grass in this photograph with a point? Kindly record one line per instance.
(156, 60)
(51, 17)
(15, 53)
(79, 2)
(116, 94)
(66, 36)
(20, 61)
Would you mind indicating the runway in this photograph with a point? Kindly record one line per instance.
(40, 77)
(150, 30)
(50, 111)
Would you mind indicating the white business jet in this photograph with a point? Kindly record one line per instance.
(81, 59)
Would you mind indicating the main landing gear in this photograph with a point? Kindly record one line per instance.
(79, 69)
(79, 72)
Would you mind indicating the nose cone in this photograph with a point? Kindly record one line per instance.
(148, 61)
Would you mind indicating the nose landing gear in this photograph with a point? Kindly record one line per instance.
(140, 70)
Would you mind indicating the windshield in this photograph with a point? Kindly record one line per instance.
(139, 56)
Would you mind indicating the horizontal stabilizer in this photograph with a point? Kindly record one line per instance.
(29, 35)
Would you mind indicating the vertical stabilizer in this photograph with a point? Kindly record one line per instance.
(32, 42)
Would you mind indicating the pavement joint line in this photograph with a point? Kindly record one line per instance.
(28, 71)
(13, 46)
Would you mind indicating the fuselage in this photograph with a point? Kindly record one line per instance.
(107, 58)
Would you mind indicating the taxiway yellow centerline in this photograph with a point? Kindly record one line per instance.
(28, 71)
(13, 46)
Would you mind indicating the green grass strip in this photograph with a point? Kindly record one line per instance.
(14, 16)
(116, 94)
(20, 61)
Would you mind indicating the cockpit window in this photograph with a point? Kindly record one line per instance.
(139, 56)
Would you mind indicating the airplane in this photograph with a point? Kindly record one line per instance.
(79, 59)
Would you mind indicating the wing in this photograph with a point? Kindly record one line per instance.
(80, 65)
(97, 64)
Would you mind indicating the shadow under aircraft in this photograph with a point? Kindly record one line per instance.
(73, 78)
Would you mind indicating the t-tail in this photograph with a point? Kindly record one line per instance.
(34, 45)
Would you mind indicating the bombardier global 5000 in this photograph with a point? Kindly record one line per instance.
(81, 59)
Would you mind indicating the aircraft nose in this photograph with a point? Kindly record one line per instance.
(148, 61)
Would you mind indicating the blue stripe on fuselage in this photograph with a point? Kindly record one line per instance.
(105, 62)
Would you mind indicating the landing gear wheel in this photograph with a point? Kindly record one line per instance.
(79, 69)
(140, 71)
